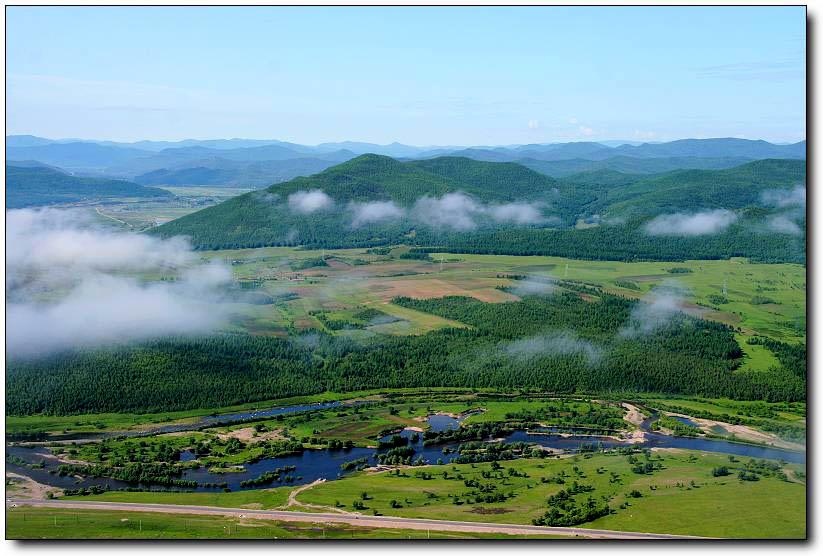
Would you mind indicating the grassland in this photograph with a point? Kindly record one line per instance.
(681, 498)
(48, 523)
(265, 499)
(764, 299)
(711, 507)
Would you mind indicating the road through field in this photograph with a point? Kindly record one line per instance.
(350, 519)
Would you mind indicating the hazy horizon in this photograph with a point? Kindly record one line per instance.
(605, 141)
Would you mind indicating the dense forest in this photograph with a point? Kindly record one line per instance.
(561, 343)
(619, 205)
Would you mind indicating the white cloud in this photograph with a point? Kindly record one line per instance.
(700, 223)
(558, 343)
(534, 124)
(783, 224)
(655, 311)
(366, 213)
(785, 197)
(534, 286)
(452, 210)
(72, 284)
(585, 131)
(458, 211)
(517, 213)
(307, 202)
(48, 239)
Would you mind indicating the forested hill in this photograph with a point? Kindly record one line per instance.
(619, 205)
(30, 186)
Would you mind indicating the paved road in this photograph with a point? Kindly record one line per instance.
(357, 520)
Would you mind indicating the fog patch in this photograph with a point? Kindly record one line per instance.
(795, 197)
(376, 211)
(267, 197)
(534, 286)
(696, 224)
(784, 224)
(655, 311)
(55, 241)
(458, 211)
(553, 344)
(71, 283)
(453, 210)
(517, 213)
(307, 202)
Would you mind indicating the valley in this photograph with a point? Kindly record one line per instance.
(444, 347)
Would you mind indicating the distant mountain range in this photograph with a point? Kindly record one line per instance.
(256, 163)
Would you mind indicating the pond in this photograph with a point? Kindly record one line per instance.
(685, 421)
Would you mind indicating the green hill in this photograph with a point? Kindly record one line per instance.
(264, 218)
(682, 190)
(627, 201)
(31, 186)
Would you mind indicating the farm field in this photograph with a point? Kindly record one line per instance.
(762, 299)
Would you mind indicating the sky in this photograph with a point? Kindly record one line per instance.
(421, 76)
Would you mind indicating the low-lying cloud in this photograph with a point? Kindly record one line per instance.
(795, 197)
(655, 311)
(71, 284)
(534, 286)
(307, 202)
(516, 213)
(553, 344)
(376, 211)
(458, 211)
(699, 223)
(784, 224)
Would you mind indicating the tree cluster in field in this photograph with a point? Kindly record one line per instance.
(135, 473)
(677, 427)
(469, 432)
(280, 474)
(560, 414)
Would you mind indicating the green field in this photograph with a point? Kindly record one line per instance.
(48, 523)
(721, 507)
(681, 498)
(356, 278)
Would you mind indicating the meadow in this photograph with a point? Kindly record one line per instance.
(762, 299)
(65, 524)
(681, 496)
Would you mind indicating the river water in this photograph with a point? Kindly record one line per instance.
(326, 464)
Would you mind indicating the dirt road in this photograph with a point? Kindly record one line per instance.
(350, 519)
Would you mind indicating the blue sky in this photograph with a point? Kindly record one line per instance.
(425, 76)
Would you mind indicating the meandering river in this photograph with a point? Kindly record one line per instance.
(326, 464)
